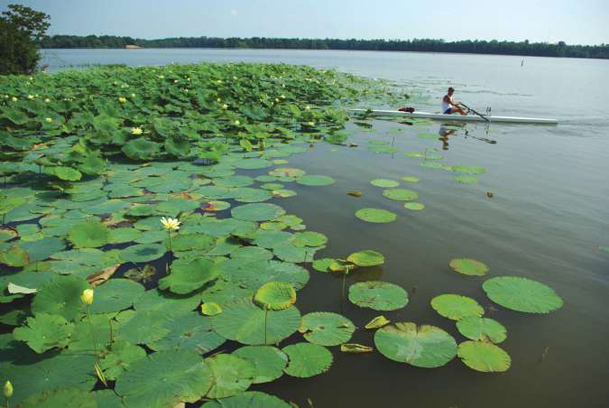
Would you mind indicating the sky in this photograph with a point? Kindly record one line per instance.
(572, 21)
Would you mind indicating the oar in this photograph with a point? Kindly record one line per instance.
(472, 110)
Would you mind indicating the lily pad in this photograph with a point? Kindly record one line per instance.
(61, 296)
(385, 183)
(257, 212)
(522, 294)
(142, 253)
(15, 256)
(90, 234)
(366, 258)
(116, 295)
(120, 358)
(187, 277)
(275, 296)
(466, 179)
(326, 328)
(421, 346)
(378, 295)
(315, 180)
(484, 357)
(410, 179)
(469, 267)
(252, 399)
(244, 322)
(375, 215)
(400, 194)
(164, 379)
(188, 331)
(482, 329)
(268, 362)
(307, 360)
(231, 375)
(414, 206)
(456, 307)
(45, 332)
(469, 169)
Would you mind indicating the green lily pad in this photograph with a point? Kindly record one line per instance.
(421, 346)
(231, 375)
(366, 258)
(375, 215)
(307, 360)
(400, 194)
(254, 274)
(414, 206)
(185, 278)
(484, 357)
(257, 212)
(15, 256)
(315, 180)
(410, 179)
(244, 322)
(482, 329)
(469, 267)
(288, 252)
(90, 234)
(469, 169)
(522, 294)
(249, 399)
(275, 296)
(142, 253)
(322, 265)
(466, 179)
(166, 303)
(61, 397)
(120, 359)
(287, 172)
(61, 296)
(456, 307)
(268, 362)
(271, 239)
(140, 327)
(188, 331)
(252, 253)
(44, 332)
(326, 328)
(310, 239)
(378, 295)
(252, 164)
(116, 295)
(164, 379)
(385, 183)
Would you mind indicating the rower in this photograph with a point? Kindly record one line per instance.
(448, 106)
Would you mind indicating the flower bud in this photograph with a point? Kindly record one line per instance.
(8, 389)
(87, 296)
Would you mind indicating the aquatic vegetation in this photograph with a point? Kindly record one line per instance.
(378, 295)
(522, 294)
(482, 329)
(326, 328)
(414, 206)
(456, 307)
(307, 360)
(375, 215)
(469, 267)
(484, 357)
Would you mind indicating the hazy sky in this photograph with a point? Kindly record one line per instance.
(573, 21)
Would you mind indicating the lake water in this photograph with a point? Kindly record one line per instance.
(548, 216)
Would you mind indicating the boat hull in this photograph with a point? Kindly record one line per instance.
(455, 118)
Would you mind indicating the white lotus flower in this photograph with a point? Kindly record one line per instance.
(170, 223)
(136, 131)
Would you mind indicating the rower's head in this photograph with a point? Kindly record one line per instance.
(451, 90)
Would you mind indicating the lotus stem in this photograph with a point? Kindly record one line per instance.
(92, 332)
(169, 234)
(111, 333)
(266, 311)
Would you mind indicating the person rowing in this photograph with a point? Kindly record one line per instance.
(448, 106)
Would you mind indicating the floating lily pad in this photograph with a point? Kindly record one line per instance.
(466, 179)
(188, 331)
(522, 294)
(268, 362)
(456, 307)
(366, 258)
(231, 375)
(322, 265)
(377, 323)
(244, 322)
(326, 328)
(469, 267)
(375, 215)
(410, 179)
(400, 194)
(252, 164)
(414, 206)
(288, 252)
(469, 169)
(257, 212)
(287, 172)
(211, 309)
(15, 256)
(61, 296)
(142, 253)
(309, 238)
(187, 277)
(61, 397)
(275, 296)
(315, 180)
(385, 183)
(307, 360)
(140, 327)
(44, 332)
(120, 358)
(249, 399)
(482, 329)
(164, 379)
(90, 234)
(421, 346)
(484, 357)
(378, 295)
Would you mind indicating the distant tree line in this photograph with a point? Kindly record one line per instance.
(559, 49)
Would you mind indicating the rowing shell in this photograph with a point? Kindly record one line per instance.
(455, 118)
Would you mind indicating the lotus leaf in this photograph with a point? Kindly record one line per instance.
(165, 303)
(481, 329)
(287, 172)
(421, 346)
(400, 194)
(140, 327)
(45, 332)
(252, 253)
(251, 195)
(244, 322)
(142, 253)
(90, 234)
(375, 215)
(141, 149)
(431, 164)
(384, 183)
(84, 330)
(116, 295)
(377, 323)
(414, 206)
(469, 267)
(456, 307)
(275, 296)
(67, 173)
(189, 242)
(250, 399)
(378, 295)
(6, 234)
(270, 239)
(268, 362)
(61, 397)
(315, 180)
(366, 258)
(326, 328)
(211, 309)
(15, 256)
(257, 212)
(522, 294)
(469, 169)
(222, 292)
(61, 296)
(484, 357)
(310, 239)
(188, 331)
(120, 358)
(43, 248)
(253, 274)
(307, 360)
(252, 164)
(123, 235)
(410, 179)
(322, 265)
(288, 252)
(466, 179)
(231, 375)
(164, 379)
(234, 181)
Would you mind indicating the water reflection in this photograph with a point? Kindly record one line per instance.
(445, 131)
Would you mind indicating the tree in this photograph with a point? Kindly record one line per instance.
(21, 28)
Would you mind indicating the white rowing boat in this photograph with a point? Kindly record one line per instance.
(455, 117)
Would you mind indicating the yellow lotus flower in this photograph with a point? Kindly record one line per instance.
(133, 95)
(307, 107)
(122, 99)
(276, 99)
(161, 76)
(47, 100)
(48, 120)
(219, 99)
(225, 106)
(237, 123)
(311, 124)
(87, 296)
(175, 81)
(30, 96)
(136, 131)
(8, 389)
(14, 99)
(170, 223)
(282, 96)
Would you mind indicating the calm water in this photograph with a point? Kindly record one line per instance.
(546, 221)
